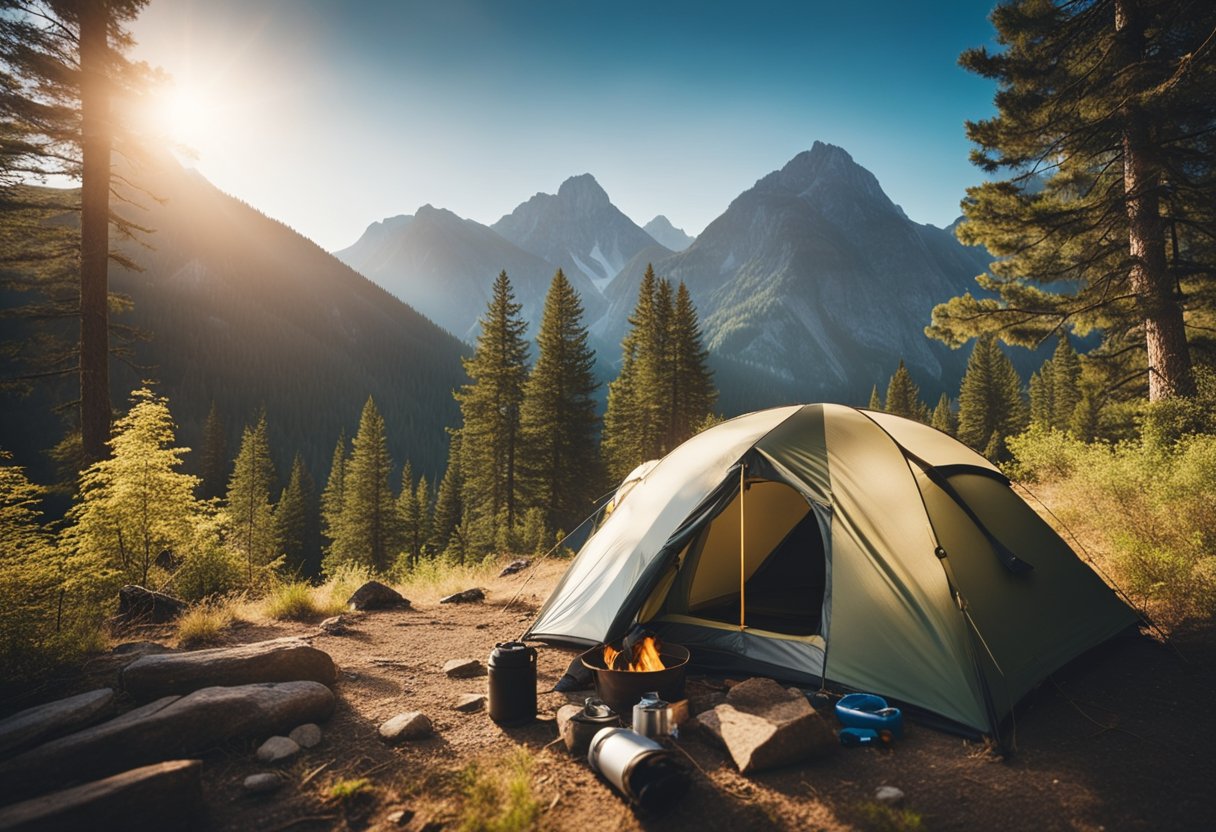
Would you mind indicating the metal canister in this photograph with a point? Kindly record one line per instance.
(652, 716)
(641, 769)
(512, 672)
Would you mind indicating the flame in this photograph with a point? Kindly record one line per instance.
(646, 657)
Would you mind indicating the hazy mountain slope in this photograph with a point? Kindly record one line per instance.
(239, 309)
(579, 229)
(444, 266)
(666, 234)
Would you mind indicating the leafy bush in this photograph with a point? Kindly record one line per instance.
(1149, 507)
(498, 795)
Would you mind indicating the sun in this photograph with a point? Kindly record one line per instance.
(187, 117)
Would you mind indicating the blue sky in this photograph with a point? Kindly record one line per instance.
(329, 115)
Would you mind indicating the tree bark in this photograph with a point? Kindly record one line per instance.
(94, 231)
(1169, 358)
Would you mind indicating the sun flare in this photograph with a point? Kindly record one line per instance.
(186, 116)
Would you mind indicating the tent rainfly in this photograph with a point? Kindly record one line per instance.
(822, 544)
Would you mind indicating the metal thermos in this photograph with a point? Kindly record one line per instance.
(512, 671)
(640, 768)
(652, 716)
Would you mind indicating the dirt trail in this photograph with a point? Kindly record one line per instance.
(1119, 740)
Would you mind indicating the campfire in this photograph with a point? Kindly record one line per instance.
(645, 657)
(623, 674)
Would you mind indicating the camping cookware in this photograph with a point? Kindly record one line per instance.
(865, 710)
(640, 768)
(588, 722)
(620, 689)
(652, 716)
(512, 671)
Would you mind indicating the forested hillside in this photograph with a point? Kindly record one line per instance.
(240, 310)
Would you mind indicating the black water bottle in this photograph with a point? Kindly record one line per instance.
(512, 683)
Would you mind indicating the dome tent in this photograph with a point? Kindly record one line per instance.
(821, 543)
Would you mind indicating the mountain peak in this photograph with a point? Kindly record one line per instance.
(582, 188)
(667, 234)
(828, 177)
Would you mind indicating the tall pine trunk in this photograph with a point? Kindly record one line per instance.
(1169, 357)
(94, 230)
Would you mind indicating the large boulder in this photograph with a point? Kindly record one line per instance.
(29, 727)
(374, 595)
(764, 725)
(155, 798)
(277, 660)
(137, 605)
(180, 728)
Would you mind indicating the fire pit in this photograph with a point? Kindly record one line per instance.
(621, 679)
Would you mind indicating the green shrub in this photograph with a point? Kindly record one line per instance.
(1149, 507)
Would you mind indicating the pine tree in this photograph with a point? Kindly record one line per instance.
(943, 417)
(332, 496)
(295, 518)
(990, 400)
(447, 501)
(1066, 383)
(1042, 397)
(64, 74)
(559, 421)
(136, 503)
(407, 511)
(875, 401)
(249, 510)
(215, 454)
(368, 531)
(490, 411)
(692, 392)
(903, 396)
(422, 499)
(1084, 422)
(629, 438)
(1104, 123)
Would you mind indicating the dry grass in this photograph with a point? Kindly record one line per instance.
(203, 624)
(432, 580)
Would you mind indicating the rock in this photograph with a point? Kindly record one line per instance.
(515, 566)
(263, 782)
(400, 817)
(707, 701)
(277, 660)
(464, 669)
(336, 626)
(888, 794)
(764, 726)
(276, 749)
(412, 725)
(200, 721)
(306, 736)
(468, 596)
(470, 703)
(374, 595)
(157, 797)
(137, 605)
(139, 648)
(54, 719)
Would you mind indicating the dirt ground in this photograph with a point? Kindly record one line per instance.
(1120, 740)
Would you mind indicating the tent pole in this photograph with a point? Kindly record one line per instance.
(742, 560)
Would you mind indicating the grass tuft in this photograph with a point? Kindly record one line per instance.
(203, 624)
(291, 602)
(498, 795)
(343, 790)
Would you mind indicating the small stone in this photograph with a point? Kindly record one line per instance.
(464, 669)
(411, 725)
(400, 817)
(263, 782)
(306, 736)
(465, 597)
(335, 626)
(515, 566)
(888, 794)
(470, 703)
(276, 749)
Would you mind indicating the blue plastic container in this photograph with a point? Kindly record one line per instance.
(865, 710)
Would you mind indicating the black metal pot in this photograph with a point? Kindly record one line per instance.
(622, 689)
